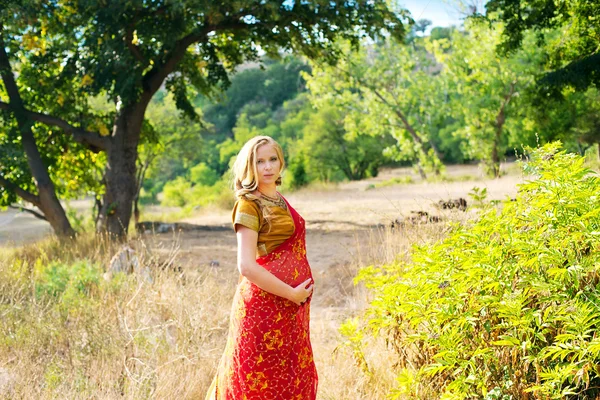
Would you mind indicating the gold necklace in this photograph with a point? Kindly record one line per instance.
(279, 201)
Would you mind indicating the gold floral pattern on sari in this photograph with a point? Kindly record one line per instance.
(299, 249)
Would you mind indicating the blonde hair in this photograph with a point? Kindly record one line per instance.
(245, 171)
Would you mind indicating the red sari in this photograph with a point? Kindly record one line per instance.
(268, 354)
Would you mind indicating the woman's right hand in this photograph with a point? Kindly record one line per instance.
(301, 292)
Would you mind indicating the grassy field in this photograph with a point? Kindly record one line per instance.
(70, 331)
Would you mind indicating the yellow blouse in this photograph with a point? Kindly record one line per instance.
(249, 214)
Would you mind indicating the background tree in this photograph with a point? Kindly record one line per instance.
(128, 50)
(487, 91)
(271, 86)
(389, 88)
(422, 25)
(569, 29)
(38, 163)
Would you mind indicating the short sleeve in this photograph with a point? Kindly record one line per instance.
(246, 213)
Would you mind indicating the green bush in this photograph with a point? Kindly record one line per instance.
(175, 192)
(182, 193)
(202, 174)
(507, 306)
(219, 194)
(71, 284)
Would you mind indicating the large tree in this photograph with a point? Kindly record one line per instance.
(569, 28)
(66, 51)
(488, 93)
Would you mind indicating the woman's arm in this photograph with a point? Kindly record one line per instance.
(257, 274)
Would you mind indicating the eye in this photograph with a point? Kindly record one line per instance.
(260, 161)
(274, 159)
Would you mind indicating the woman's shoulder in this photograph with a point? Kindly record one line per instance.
(246, 205)
(246, 212)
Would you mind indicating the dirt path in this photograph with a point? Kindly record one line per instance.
(335, 215)
(19, 227)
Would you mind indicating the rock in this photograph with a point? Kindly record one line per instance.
(124, 261)
(128, 262)
(214, 263)
(164, 228)
(148, 227)
(7, 381)
(460, 204)
(417, 218)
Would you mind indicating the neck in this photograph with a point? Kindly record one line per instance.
(269, 190)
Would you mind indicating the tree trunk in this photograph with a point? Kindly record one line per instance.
(421, 171)
(120, 175)
(495, 167)
(53, 211)
(498, 126)
(46, 200)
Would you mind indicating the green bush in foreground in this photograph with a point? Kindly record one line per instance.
(508, 306)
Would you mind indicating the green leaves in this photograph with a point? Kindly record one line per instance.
(507, 304)
(573, 56)
(387, 88)
(487, 93)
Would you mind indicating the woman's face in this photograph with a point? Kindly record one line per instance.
(268, 164)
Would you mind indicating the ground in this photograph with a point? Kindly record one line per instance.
(346, 228)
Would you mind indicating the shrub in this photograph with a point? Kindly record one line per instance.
(175, 192)
(180, 193)
(506, 306)
(202, 174)
(219, 195)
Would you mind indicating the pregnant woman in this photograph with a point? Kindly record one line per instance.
(268, 354)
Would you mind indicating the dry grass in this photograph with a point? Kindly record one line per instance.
(126, 337)
(131, 338)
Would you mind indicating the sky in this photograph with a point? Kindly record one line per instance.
(440, 12)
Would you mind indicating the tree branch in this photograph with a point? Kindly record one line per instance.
(22, 193)
(135, 50)
(500, 117)
(139, 15)
(94, 141)
(154, 78)
(29, 210)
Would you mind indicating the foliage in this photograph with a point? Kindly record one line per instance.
(183, 193)
(332, 152)
(179, 146)
(488, 94)
(573, 52)
(507, 305)
(175, 192)
(389, 88)
(269, 86)
(71, 284)
(573, 119)
(75, 170)
(201, 174)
